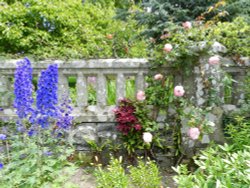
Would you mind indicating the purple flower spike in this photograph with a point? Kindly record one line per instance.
(3, 137)
(47, 100)
(1, 166)
(23, 88)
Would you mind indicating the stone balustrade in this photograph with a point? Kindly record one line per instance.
(120, 69)
(96, 122)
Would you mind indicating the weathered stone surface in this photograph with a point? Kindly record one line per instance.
(227, 108)
(218, 48)
(216, 117)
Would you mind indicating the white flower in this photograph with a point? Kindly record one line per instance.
(210, 123)
(147, 137)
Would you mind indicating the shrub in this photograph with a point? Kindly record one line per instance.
(239, 133)
(217, 167)
(145, 174)
(113, 177)
(67, 29)
(233, 35)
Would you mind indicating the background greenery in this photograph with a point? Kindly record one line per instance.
(66, 29)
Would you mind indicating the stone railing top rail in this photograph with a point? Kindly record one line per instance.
(76, 64)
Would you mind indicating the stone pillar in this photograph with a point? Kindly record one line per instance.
(139, 82)
(82, 90)
(101, 90)
(4, 91)
(63, 86)
(120, 86)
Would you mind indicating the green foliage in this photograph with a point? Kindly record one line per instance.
(236, 8)
(164, 11)
(67, 29)
(239, 133)
(217, 167)
(113, 177)
(145, 174)
(37, 161)
(134, 119)
(234, 35)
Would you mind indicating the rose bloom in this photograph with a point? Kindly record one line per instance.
(214, 60)
(167, 48)
(147, 137)
(164, 36)
(158, 76)
(109, 36)
(187, 25)
(179, 91)
(140, 96)
(194, 133)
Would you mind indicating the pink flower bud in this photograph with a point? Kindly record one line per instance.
(214, 60)
(187, 25)
(164, 36)
(167, 48)
(158, 77)
(140, 96)
(137, 127)
(179, 91)
(109, 36)
(194, 133)
(147, 137)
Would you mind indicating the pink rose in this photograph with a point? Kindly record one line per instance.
(147, 137)
(187, 25)
(214, 60)
(194, 133)
(167, 48)
(158, 77)
(140, 96)
(179, 91)
(109, 36)
(91, 79)
(164, 36)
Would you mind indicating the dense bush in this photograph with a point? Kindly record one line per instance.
(67, 29)
(239, 133)
(217, 167)
(221, 166)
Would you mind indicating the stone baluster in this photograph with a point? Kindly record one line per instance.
(63, 86)
(82, 90)
(4, 91)
(139, 82)
(238, 93)
(101, 90)
(120, 86)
